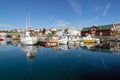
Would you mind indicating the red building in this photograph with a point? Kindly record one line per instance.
(104, 30)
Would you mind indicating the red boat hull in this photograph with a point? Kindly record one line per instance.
(1, 39)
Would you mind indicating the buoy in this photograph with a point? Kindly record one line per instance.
(46, 44)
(81, 43)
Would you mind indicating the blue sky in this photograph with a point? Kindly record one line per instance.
(58, 13)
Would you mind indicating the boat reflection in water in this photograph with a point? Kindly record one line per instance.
(103, 47)
(87, 45)
(15, 43)
(66, 47)
(63, 47)
(29, 50)
(5, 42)
(12, 43)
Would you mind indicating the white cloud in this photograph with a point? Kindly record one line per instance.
(62, 23)
(75, 4)
(106, 9)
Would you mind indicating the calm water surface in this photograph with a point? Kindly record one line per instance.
(20, 62)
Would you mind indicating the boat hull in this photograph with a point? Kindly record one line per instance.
(1, 39)
(29, 41)
(62, 42)
(88, 41)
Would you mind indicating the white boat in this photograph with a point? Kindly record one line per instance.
(29, 39)
(63, 40)
(68, 35)
(67, 40)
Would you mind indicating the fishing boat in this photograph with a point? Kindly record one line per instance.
(68, 40)
(28, 37)
(63, 40)
(68, 36)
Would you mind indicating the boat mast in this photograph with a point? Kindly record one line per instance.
(27, 22)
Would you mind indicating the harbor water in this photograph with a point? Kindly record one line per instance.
(23, 62)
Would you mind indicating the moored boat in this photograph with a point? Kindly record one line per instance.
(29, 39)
(63, 40)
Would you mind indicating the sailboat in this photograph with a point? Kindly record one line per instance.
(28, 37)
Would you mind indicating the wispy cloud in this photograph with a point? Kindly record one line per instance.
(96, 18)
(91, 21)
(62, 23)
(76, 6)
(106, 9)
(96, 8)
(58, 22)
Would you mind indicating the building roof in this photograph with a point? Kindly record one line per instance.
(102, 27)
(85, 29)
(106, 27)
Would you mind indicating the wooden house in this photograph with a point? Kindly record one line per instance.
(94, 31)
(107, 30)
(103, 30)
